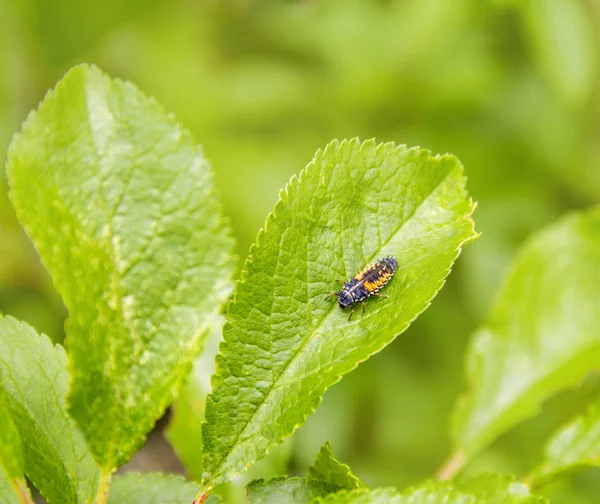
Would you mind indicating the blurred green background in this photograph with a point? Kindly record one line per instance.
(510, 86)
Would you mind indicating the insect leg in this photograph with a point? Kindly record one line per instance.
(363, 304)
(379, 295)
(331, 294)
(351, 313)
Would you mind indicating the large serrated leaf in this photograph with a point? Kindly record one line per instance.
(34, 377)
(284, 345)
(13, 488)
(120, 205)
(576, 445)
(542, 336)
(327, 468)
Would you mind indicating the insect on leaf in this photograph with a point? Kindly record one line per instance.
(283, 344)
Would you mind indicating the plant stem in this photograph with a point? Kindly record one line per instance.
(453, 465)
(202, 494)
(21, 487)
(104, 486)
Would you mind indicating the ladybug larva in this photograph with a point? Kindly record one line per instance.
(366, 283)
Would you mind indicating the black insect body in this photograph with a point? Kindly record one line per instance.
(366, 283)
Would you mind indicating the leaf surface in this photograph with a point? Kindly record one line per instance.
(327, 468)
(496, 488)
(576, 445)
(34, 377)
(485, 489)
(119, 202)
(153, 488)
(542, 336)
(13, 488)
(284, 345)
(287, 490)
(391, 496)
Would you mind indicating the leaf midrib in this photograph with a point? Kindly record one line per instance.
(325, 317)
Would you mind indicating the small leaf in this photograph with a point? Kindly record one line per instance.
(153, 488)
(287, 490)
(576, 445)
(443, 495)
(13, 488)
(327, 468)
(120, 204)
(542, 336)
(485, 489)
(34, 377)
(497, 489)
(284, 345)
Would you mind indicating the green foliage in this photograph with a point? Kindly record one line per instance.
(283, 344)
(576, 445)
(497, 489)
(391, 496)
(152, 488)
(120, 204)
(12, 480)
(486, 489)
(288, 490)
(11, 455)
(327, 468)
(542, 335)
(34, 377)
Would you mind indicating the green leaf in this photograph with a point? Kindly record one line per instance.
(576, 445)
(34, 376)
(153, 488)
(485, 489)
(120, 204)
(287, 490)
(497, 489)
(13, 488)
(11, 454)
(327, 468)
(542, 336)
(443, 495)
(284, 345)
